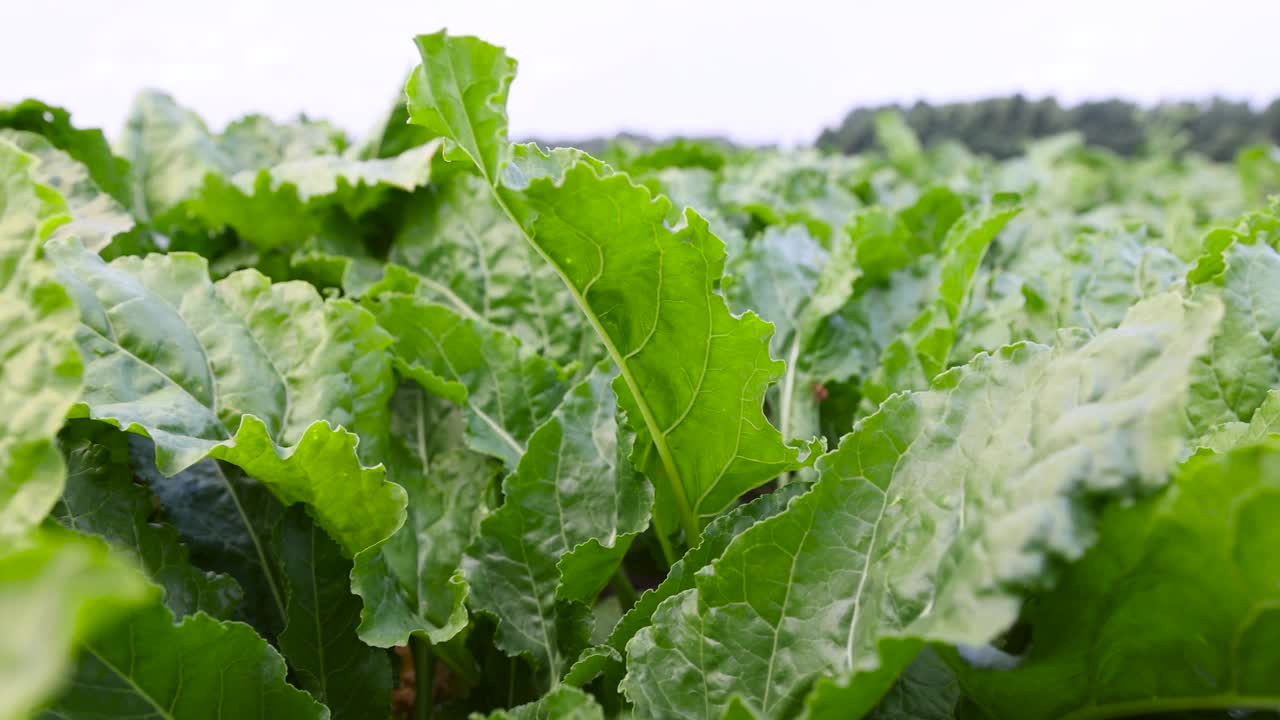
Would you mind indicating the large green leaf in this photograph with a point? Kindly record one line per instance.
(1054, 275)
(40, 367)
(508, 391)
(920, 352)
(101, 499)
(56, 590)
(244, 371)
(469, 255)
(320, 643)
(692, 377)
(88, 147)
(1240, 266)
(149, 667)
(715, 538)
(286, 204)
(409, 586)
(295, 578)
(571, 509)
(926, 521)
(459, 93)
(172, 152)
(1176, 608)
(96, 217)
(229, 522)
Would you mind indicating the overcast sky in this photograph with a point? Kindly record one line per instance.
(774, 71)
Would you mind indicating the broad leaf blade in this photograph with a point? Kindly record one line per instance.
(101, 499)
(461, 95)
(468, 254)
(40, 367)
(413, 584)
(508, 392)
(1112, 638)
(56, 590)
(926, 520)
(572, 508)
(199, 668)
(329, 661)
(244, 371)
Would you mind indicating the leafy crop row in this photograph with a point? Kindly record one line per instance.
(434, 424)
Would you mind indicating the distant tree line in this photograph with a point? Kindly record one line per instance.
(1001, 127)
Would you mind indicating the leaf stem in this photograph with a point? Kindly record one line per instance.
(424, 675)
(627, 595)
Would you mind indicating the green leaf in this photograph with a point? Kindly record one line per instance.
(170, 151)
(40, 368)
(572, 508)
(1241, 368)
(795, 284)
(96, 217)
(295, 578)
(783, 189)
(508, 391)
(927, 521)
(459, 93)
(1265, 422)
(692, 376)
(88, 147)
(286, 204)
(920, 352)
(325, 655)
(413, 584)
(101, 499)
(692, 379)
(563, 703)
(56, 590)
(777, 276)
(469, 255)
(1051, 277)
(229, 522)
(927, 690)
(244, 371)
(1114, 638)
(200, 668)
(715, 538)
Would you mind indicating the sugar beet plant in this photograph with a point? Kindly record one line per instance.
(437, 425)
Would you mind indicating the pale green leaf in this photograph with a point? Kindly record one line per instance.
(927, 520)
(563, 703)
(40, 367)
(1176, 608)
(56, 590)
(244, 371)
(96, 217)
(920, 352)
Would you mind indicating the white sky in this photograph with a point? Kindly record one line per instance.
(776, 71)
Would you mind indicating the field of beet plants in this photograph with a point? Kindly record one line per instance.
(428, 424)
